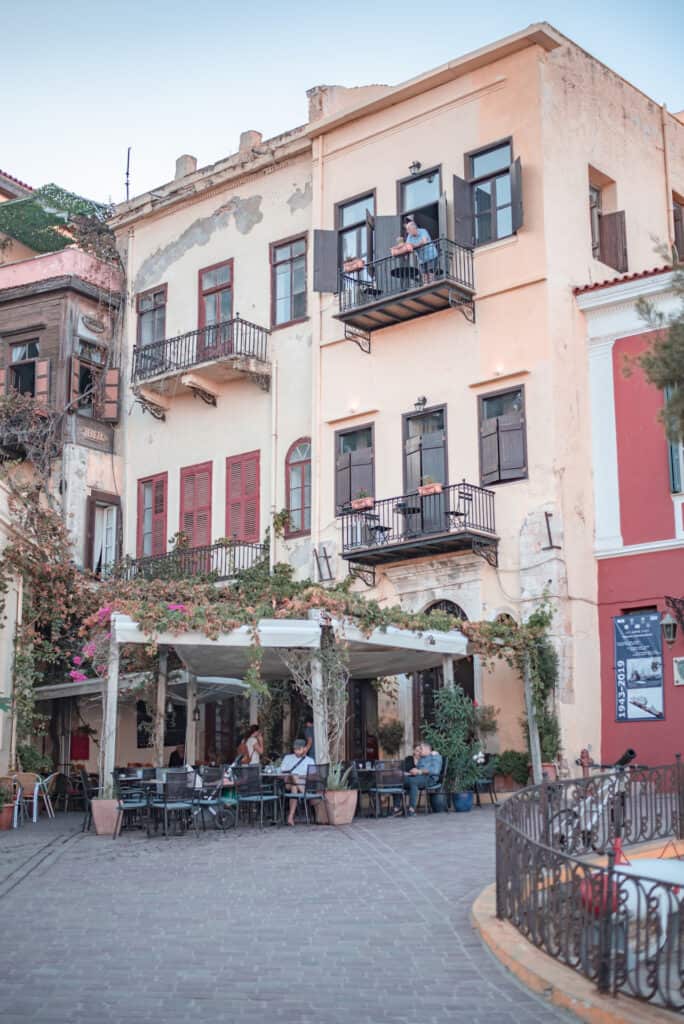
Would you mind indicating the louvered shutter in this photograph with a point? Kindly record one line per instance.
(678, 213)
(361, 471)
(673, 454)
(42, 390)
(234, 498)
(489, 451)
(613, 240)
(463, 212)
(516, 195)
(195, 512)
(250, 518)
(242, 497)
(74, 383)
(110, 399)
(325, 261)
(512, 462)
(387, 230)
(3, 381)
(342, 480)
(159, 505)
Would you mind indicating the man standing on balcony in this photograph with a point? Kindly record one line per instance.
(425, 249)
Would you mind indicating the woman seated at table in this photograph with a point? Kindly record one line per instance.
(412, 760)
(294, 768)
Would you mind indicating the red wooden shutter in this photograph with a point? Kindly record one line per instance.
(195, 510)
(74, 384)
(109, 411)
(3, 381)
(159, 505)
(42, 389)
(243, 497)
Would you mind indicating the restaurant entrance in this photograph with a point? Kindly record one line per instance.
(362, 721)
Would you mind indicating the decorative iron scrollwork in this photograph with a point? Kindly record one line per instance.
(365, 573)
(466, 306)
(486, 549)
(157, 411)
(359, 337)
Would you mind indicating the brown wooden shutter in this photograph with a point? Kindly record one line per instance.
(413, 463)
(325, 261)
(463, 212)
(195, 510)
(3, 380)
(42, 390)
(516, 194)
(74, 383)
(110, 399)
(387, 230)
(342, 480)
(613, 240)
(489, 451)
(512, 461)
(243, 497)
(678, 213)
(361, 471)
(159, 508)
(91, 505)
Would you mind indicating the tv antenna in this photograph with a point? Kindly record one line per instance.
(128, 172)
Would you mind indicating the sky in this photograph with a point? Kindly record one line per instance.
(89, 78)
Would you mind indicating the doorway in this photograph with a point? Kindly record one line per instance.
(362, 721)
(427, 684)
(425, 461)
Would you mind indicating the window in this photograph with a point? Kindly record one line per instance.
(195, 504)
(595, 216)
(675, 456)
(93, 390)
(608, 229)
(27, 372)
(355, 228)
(678, 214)
(419, 198)
(242, 497)
(298, 487)
(151, 307)
(503, 448)
(216, 294)
(354, 475)
(102, 532)
(288, 281)
(152, 503)
(490, 178)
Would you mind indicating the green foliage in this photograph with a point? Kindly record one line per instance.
(543, 661)
(663, 362)
(486, 716)
(391, 736)
(338, 776)
(454, 735)
(281, 521)
(32, 761)
(29, 432)
(515, 763)
(50, 218)
(5, 797)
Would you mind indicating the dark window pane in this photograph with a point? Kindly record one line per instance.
(24, 378)
(428, 423)
(355, 213)
(490, 161)
(502, 405)
(420, 192)
(483, 229)
(355, 439)
(298, 305)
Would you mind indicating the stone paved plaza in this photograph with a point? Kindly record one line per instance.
(315, 925)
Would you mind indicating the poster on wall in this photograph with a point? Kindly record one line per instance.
(638, 667)
(678, 671)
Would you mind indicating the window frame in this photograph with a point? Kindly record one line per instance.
(352, 430)
(291, 534)
(416, 414)
(340, 230)
(472, 181)
(139, 313)
(201, 293)
(480, 419)
(139, 539)
(437, 169)
(302, 237)
(95, 499)
(31, 361)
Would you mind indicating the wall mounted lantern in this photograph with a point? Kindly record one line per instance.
(669, 627)
(420, 403)
(414, 167)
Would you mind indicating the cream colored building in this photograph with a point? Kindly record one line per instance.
(534, 169)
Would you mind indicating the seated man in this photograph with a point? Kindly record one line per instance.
(294, 768)
(425, 774)
(420, 241)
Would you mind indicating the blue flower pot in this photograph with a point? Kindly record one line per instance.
(438, 802)
(463, 801)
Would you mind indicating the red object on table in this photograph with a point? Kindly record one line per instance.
(80, 747)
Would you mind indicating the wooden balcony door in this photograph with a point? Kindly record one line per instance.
(425, 455)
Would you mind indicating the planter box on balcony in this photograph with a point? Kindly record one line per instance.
(362, 504)
(401, 250)
(425, 490)
(349, 266)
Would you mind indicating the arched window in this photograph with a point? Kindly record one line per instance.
(298, 487)
(450, 607)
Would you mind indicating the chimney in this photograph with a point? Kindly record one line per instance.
(185, 165)
(249, 141)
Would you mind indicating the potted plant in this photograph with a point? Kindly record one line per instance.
(512, 769)
(465, 768)
(340, 800)
(355, 263)
(454, 735)
(6, 809)
(391, 736)
(362, 501)
(31, 761)
(429, 486)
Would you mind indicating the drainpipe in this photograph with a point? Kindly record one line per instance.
(13, 733)
(317, 327)
(668, 182)
(274, 461)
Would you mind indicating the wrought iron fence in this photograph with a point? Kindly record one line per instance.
(459, 508)
(439, 261)
(221, 561)
(621, 926)
(236, 337)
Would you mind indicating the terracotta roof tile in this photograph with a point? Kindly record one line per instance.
(17, 181)
(620, 279)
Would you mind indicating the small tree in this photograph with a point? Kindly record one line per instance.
(663, 362)
(454, 735)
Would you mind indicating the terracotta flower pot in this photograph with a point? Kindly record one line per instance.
(6, 817)
(425, 490)
(341, 805)
(351, 265)
(105, 816)
(360, 504)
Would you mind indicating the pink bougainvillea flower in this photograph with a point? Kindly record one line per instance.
(475, 704)
(101, 669)
(104, 613)
(78, 677)
(89, 650)
(177, 607)
(77, 660)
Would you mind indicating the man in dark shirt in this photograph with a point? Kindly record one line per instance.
(177, 759)
(309, 737)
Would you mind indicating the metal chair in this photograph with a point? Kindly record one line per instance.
(88, 791)
(177, 800)
(30, 785)
(315, 785)
(485, 784)
(208, 797)
(388, 782)
(133, 799)
(434, 790)
(250, 792)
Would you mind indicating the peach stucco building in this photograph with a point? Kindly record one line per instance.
(352, 377)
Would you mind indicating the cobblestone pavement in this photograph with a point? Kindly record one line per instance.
(315, 925)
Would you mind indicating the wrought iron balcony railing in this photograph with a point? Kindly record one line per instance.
(411, 525)
(231, 338)
(222, 561)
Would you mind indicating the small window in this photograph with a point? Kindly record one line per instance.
(93, 353)
(22, 375)
(104, 538)
(152, 509)
(595, 216)
(608, 226)
(354, 472)
(298, 484)
(678, 214)
(288, 281)
(355, 228)
(151, 307)
(503, 442)
(216, 294)
(419, 200)
(491, 194)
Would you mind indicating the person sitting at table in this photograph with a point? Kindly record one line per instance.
(425, 774)
(294, 768)
(412, 760)
(177, 759)
(420, 241)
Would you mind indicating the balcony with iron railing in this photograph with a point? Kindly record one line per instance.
(221, 561)
(393, 289)
(201, 359)
(458, 517)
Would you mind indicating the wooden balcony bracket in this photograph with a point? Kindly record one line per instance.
(466, 306)
(155, 410)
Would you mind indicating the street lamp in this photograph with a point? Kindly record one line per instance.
(669, 626)
(196, 713)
